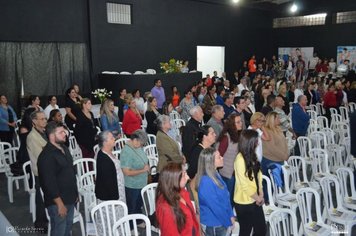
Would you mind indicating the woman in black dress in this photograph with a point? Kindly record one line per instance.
(85, 130)
(72, 107)
(151, 115)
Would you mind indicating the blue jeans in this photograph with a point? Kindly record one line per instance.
(230, 184)
(133, 200)
(265, 165)
(61, 226)
(214, 230)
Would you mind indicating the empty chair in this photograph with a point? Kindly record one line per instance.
(310, 212)
(151, 71)
(352, 106)
(335, 119)
(322, 122)
(335, 211)
(152, 155)
(333, 111)
(313, 126)
(86, 189)
(122, 226)
(30, 188)
(304, 147)
(105, 214)
(320, 163)
(312, 114)
(318, 140)
(271, 207)
(138, 72)
(335, 157)
(120, 143)
(344, 112)
(174, 115)
(321, 109)
(151, 139)
(3, 147)
(125, 73)
(347, 186)
(283, 222)
(314, 108)
(148, 194)
(9, 157)
(74, 148)
(282, 195)
(298, 172)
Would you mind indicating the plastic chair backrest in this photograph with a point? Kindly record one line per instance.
(122, 226)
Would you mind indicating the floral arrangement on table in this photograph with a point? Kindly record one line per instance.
(172, 66)
(101, 94)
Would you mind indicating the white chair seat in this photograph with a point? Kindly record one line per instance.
(314, 229)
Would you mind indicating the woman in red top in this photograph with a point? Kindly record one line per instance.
(132, 118)
(175, 96)
(174, 210)
(330, 100)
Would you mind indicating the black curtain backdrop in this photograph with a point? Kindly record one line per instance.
(44, 68)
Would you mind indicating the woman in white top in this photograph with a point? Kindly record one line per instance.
(139, 101)
(52, 104)
(257, 121)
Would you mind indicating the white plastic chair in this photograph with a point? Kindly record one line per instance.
(138, 72)
(313, 126)
(310, 212)
(122, 226)
(335, 119)
(318, 140)
(16, 142)
(3, 147)
(335, 211)
(268, 209)
(18, 123)
(312, 114)
(148, 194)
(174, 115)
(105, 214)
(96, 150)
(152, 155)
(283, 222)
(322, 122)
(321, 108)
(120, 143)
(283, 196)
(8, 157)
(314, 108)
(320, 163)
(304, 146)
(30, 189)
(298, 172)
(86, 189)
(125, 73)
(151, 71)
(352, 106)
(335, 157)
(344, 112)
(74, 148)
(333, 111)
(151, 139)
(347, 186)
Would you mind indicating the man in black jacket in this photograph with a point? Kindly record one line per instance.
(190, 131)
(57, 180)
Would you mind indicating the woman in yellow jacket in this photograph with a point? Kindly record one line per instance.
(248, 196)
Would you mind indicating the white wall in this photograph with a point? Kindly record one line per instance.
(210, 58)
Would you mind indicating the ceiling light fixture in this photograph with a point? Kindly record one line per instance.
(293, 8)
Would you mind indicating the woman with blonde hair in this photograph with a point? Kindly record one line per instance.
(257, 121)
(275, 149)
(132, 117)
(109, 119)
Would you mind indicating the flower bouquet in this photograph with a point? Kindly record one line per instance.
(172, 66)
(102, 94)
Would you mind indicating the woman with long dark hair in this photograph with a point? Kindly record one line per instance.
(216, 214)
(151, 115)
(228, 148)
(174, 210)
(248, 195)
(72, 106)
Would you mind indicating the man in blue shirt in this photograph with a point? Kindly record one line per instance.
(300, 119)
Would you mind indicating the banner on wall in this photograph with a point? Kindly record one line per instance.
(306, 53)
(346, 53)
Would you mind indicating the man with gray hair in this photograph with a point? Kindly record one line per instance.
(217, 114)
(300, 119)
(191, 129)
(35, 142)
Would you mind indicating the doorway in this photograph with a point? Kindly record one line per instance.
(210, 59)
